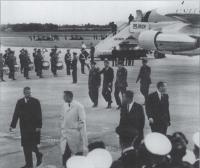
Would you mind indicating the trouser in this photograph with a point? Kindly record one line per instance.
(74, 76)
(28, 154)
(82, 67)
(21, 67)
(144, 89)
(67, 154)
(53, 69)
(94, 94)
(114, 62)
(119, 90)
(11, 73)
(68, 64)
(1, 74)
(106, 92)
(39, 72)
(26, 69)
(159, 127)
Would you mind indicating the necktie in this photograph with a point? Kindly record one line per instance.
(128, 107)
(69, 105)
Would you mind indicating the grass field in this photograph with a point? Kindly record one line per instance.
(181, 73)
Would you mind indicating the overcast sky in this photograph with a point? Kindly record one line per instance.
(79, 12)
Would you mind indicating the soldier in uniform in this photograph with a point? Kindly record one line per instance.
(94, 83)
(68, 61)
(34, 58)
(121, 83)
(108, 76)
(144, 78)
(54, 60)
(74, 67)
(11, 61)
(114, 56)
(1, 66)
(27, 61)
(21, 58)
(153, 152)
(92, 51)
(82, 59)
(38, 63)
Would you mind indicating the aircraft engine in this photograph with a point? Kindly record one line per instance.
(154, 40)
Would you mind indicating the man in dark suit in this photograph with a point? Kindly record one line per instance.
(132, 116)
(28, 112)
(157, 109)
(121, 83)
(108, 76)
(144, 78)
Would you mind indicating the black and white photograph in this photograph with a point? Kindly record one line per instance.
(100, 84)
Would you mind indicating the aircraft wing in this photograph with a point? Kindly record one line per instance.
(193, 19)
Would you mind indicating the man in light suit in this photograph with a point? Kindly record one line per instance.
(73, 128)
(157, 109)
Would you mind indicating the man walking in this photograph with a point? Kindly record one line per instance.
(73, 128)
(1, 67)
(38, 63)
(94, 83)
(92, 51)
(28, 112)
(74, 67)
(132, 116)
(108, 76)
(27, 61)
(121, 83)
(157, 109)
(144, 78)
(82, 59)
(68, 61)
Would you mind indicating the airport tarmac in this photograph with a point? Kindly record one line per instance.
(181, 73)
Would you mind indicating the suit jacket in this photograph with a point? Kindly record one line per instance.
(134, 119)
(157, 109)
(108, 76)
(30, 117)
(196, 164)
(94, 80)
(121, 78)
(144, 75)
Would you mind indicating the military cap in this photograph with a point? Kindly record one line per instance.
(196, 138)
(189, 157)
(157, 144)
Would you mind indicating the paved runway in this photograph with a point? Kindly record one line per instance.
(181, 73)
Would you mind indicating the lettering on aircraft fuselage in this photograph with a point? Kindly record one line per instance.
(119, 38)
(139, 26)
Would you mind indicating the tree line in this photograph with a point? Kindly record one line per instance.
(31, 27)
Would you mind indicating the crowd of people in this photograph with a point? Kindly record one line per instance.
(155, 150)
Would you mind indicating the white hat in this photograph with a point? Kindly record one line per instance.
(101, 158)
(196, 138)
(79, 162)
(189, 157)
(157, 144)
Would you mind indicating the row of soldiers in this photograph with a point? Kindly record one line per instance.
(120, 84)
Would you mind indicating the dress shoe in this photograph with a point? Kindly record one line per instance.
(39, 159)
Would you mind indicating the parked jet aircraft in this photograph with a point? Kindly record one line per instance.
(176, 32)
